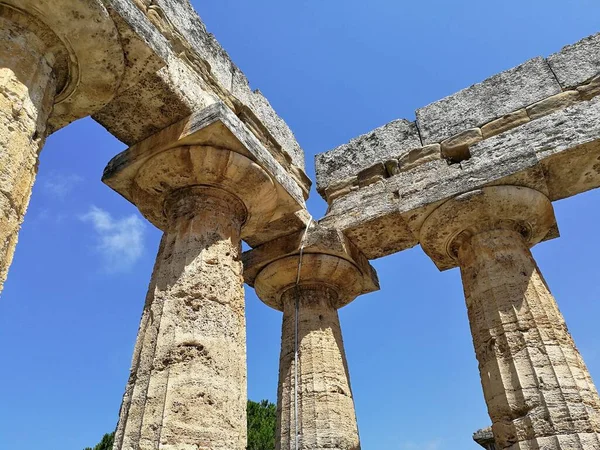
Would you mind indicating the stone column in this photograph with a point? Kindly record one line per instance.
(27, 91)
(537, 388)
(187, 388)
(192, 390)
(326, 417)
(39, 68)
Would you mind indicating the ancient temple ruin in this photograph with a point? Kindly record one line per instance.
(211, 164)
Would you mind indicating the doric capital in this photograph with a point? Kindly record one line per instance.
(329, 260)
(83, 47)
(524, 210)
(206, 149)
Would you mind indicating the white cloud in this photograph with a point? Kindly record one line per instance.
(59, 185)
(120, 241)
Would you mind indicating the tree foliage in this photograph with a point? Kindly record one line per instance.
(262, 422)
(105, 444)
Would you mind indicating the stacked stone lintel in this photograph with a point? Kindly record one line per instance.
(198, 183)
(537, 388)
(315, 404)
(48, 78)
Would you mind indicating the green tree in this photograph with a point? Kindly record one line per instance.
(262, 422)
(105, 444)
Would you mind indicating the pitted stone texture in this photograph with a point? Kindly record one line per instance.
(577, 63)
(197, 72)
(493, 98)
(90, 74)
(325, 406)
(538, 390)
(187, 22)
(212, 147)
(27, 90)
(558, 155)
(188, 382)
(390, 141)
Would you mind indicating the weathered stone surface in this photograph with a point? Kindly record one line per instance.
(333, 272)
(200, 137)
(341, 188)
(578, 62)
(326, 415)
(48, 65)
(199, 181)
(197, 72)
(553, 104)
(485, 438)
(590, 89)
(384, 143)
(558, 154)
(419, 156)
(538, 391)
(456, 148)
(371, 175)
(493, 98)
(317, 240)
(88, 57)
(505, 123)
(188, 376)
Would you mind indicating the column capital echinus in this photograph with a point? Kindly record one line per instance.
(329, 260)
(524, 210)
(205, 150)
(309, 275)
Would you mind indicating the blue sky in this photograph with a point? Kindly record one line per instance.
(336, 69)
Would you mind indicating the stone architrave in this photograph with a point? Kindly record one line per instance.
(332, 274)
(537, 388)
(59, 61)
(198, 183)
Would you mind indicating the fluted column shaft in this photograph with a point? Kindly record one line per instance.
(27, 91)
(187, 388)
(538, 390)
(326, 416)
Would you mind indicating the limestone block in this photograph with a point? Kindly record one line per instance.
(341, 188)
(317, 240)
(200, 137)
(590, 89)
(277, 127)
(384, 143)
(279, 227)
(505, 123)
(577, 63)
(420, 156)
(558, 155)
(89, 72)
(552, 104)
(456, 148)
(175, 31)
(566, 143)
(166, 97)
(371, 175)
(495, 97)
(181, 17)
